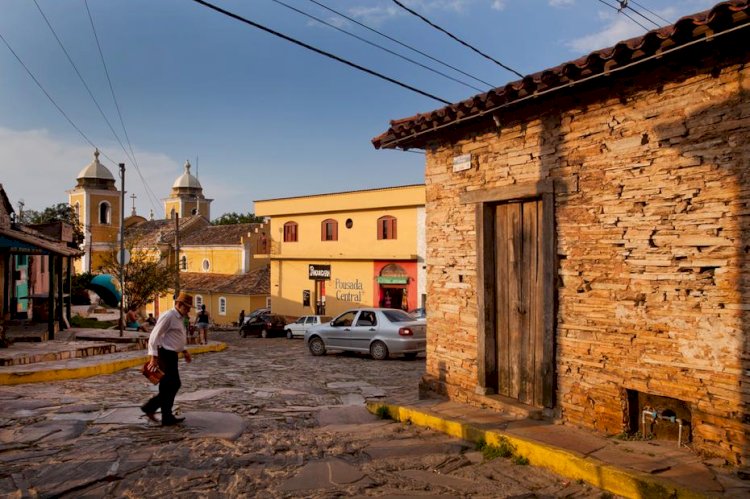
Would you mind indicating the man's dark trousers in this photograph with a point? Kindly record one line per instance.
(168, 386)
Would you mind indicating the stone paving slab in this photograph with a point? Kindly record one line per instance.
(331, 473)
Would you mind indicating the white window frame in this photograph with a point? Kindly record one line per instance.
(206, 265)
(198, 301)
(222, 305)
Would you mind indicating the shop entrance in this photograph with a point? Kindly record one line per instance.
(393, 296)
(393, 281)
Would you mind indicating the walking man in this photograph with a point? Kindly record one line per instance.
(167, 340)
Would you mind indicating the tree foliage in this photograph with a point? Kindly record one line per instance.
(234, 218)
(60, 212)
(147, 275)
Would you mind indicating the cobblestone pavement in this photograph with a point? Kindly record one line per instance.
(264, 419)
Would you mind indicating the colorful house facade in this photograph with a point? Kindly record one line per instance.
(588, 241)
(332, 252)
(218, 264)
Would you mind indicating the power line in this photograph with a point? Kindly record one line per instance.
(624, 5)
(326, 23)
(319, 51)
(152, 196)
(651, 12)
(38, 84)
(456, 38)
(70, 60)
(623, 13)
(401, 43)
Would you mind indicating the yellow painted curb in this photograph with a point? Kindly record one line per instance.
(106, 367)
(627, 483)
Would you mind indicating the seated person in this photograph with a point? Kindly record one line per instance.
(131, 320)
(150, 320)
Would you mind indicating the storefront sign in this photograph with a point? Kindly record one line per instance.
(319, 272)
(349, 290)
(392, 280)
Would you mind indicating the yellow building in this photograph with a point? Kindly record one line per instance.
(97, 203)
(225, 267)
(332, 252)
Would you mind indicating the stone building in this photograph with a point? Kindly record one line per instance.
(588, 230)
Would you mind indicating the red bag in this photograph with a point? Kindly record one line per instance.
(153, 376)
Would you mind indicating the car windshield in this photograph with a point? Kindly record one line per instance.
(397, 316)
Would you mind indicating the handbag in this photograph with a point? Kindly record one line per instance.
(153, 376)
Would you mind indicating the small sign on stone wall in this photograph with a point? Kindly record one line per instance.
(462, 162)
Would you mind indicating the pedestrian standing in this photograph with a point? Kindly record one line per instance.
(242, 317)
(201, 324)
(167, 340)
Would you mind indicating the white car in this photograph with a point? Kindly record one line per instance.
(297, 328)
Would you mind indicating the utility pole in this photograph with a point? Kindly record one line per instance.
(122, 246)
(177, 253)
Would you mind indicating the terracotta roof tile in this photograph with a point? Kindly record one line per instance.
(414, 131)
(153, 232)
(219, 234)
(256, 282)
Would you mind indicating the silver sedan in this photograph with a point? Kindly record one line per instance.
(378, 331)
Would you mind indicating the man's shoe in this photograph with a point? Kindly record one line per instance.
(172, 421)
(150, 415)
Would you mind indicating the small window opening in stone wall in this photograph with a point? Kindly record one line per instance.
(659, 418)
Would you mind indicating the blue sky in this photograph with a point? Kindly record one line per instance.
(261, 117)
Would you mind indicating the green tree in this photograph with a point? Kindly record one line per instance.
(60, 212)
(147, 275)
(234, 218)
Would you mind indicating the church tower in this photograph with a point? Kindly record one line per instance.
(187, 197)
(96, 202)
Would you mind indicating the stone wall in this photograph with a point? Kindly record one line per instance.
(652, 242)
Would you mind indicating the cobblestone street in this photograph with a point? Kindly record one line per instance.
(264, 419)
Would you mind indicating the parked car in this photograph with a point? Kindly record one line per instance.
(297, 328)
(381, 332)
(419, 313)
(256, 313)
(264, 325)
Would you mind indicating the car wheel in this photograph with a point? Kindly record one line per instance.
(378, 350)
(411, 355)
(264, 333)
(289, 334)
(316, 346)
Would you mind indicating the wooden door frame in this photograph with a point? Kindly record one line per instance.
(485, 202)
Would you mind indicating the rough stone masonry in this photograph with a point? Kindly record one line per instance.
(652, 242)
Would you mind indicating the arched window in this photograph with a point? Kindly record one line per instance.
(198, 301)
(290, 232)
(77, 209)
(171, 213)
(105, 213)
(222, 306)
(387, 227)
(329, 230)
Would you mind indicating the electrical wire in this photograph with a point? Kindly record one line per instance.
(401, 43)
(70, 60)
(624, 5)
(317, 50)
(407, 9)
(149, 192)
(326, 23)
(651, 12)
(621, 11)
(65, 115)
(549, 91)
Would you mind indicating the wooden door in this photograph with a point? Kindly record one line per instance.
(519, 293)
